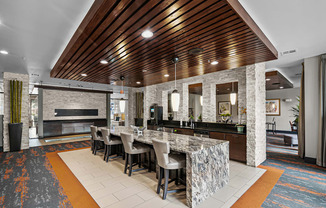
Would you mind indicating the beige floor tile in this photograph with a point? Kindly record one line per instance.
(237, 182)
(127, 202)
(106, 200)
(132, 190)
(147, 194)
(93, 187)
(230, 202)
(154, 202)
(211, 203)
(107, 191)
(243, 190)
(225, 193)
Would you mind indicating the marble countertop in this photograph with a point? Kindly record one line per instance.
(178, 142)
(222, 130)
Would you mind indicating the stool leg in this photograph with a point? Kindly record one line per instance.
(177, 177)
(126, 164)
(139, 160)
(130, 164)
(123, 152)
(95, 149)
(149, 162)
(159, 181)
(105, 149)
(166, 183)
(108, 152)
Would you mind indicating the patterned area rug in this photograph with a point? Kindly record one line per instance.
(301, 185)
(28, 180)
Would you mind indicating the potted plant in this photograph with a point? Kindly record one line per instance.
(295, 111)
(240, 126)
(199, 118)
(191, 118)
(15, 125)
(225, 116)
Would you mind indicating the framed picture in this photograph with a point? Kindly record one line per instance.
(273, 107)
(224, 107)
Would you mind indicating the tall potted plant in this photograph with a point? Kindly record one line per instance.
(15, 125)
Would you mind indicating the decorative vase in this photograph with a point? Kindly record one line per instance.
(15, 136)
(240, 129)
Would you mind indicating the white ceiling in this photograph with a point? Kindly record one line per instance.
(291, 24)
(36, 32)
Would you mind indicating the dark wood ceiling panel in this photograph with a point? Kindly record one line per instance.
(275, 81)
(226, 88)
(112, 31)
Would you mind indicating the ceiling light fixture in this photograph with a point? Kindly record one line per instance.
(233, 96)
(122, 102)
(138, 82)
(281, 87)
(175, 96)
(166, 75)
(268, 79)
(84, 75)
(104, 62)
(4, 52)
(214, 62)
(147, 34)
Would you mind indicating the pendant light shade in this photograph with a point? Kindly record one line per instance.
(175, 99)
(233, 96)
(122, 105)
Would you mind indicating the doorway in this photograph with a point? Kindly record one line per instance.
(33, 117)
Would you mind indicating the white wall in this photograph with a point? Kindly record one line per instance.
(282, 121)
(311, 82)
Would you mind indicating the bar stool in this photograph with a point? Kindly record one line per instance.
(167, 162)
(108, 142)
(95, 138)
(134, 149)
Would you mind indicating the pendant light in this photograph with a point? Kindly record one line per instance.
(122, 102)
(175, 96)
(233, 96)
(201, 100)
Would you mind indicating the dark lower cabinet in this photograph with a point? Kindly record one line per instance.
(189, 132)
(237, 143)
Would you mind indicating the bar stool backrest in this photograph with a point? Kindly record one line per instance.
(106, 136)
(162, 150)
(127, 141)
(94, 133)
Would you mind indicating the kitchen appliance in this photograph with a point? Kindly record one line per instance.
(156, 114)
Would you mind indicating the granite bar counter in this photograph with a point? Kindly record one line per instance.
(207, 161)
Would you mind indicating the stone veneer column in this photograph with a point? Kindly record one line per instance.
(256, 114)
(7, 76)
(150, 97)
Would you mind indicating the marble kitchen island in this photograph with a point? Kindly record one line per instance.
(207, 161)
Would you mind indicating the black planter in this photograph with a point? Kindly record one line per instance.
(15, 136)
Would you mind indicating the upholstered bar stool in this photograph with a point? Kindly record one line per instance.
(134, 149)
(95, 139)
(167, 162)
(108, 142)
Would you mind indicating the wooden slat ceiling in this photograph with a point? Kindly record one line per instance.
(275, 80)
(112, 31)
(226, 88)
(196, 89)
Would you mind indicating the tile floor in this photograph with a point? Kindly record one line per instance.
(110, 188)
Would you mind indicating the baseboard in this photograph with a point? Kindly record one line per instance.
(310, 160)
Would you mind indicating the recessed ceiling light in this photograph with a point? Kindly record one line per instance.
(214, 62)
(147, 34)
(4, 52)
(138, 82)
(104, 62)
(144, 70)
(84, 75)
(166, 75)
(281, 87)
(268, 79)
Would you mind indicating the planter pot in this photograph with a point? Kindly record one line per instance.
(240, 129)
(170, 118)
(15, 136)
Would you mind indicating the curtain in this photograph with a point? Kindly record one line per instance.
(301, 124)
(321, 152)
